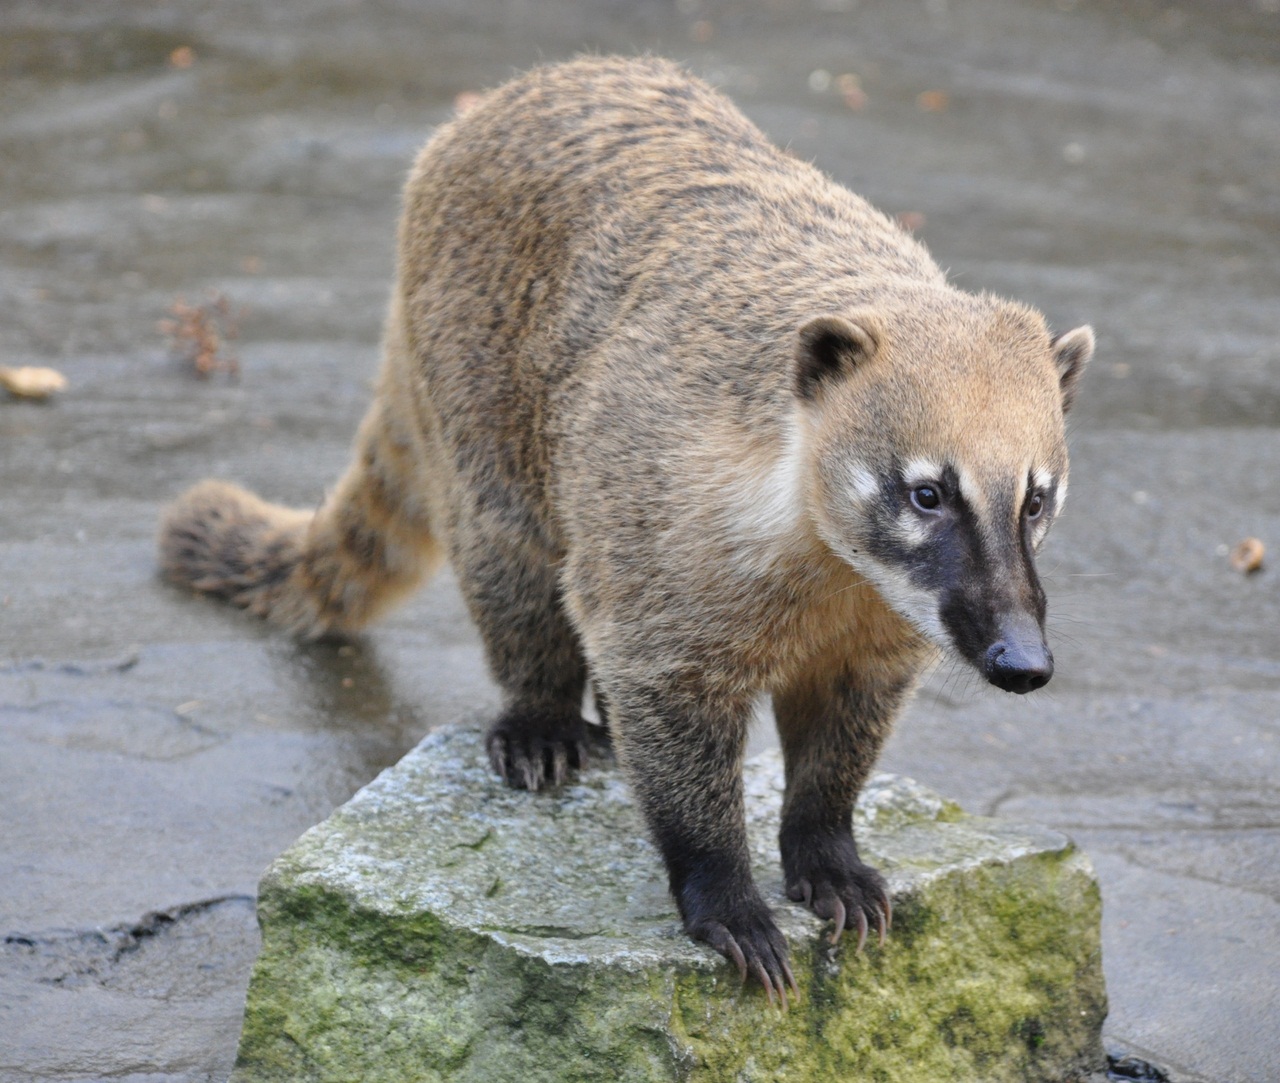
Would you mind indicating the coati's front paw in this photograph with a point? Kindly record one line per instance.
(825, 873)
(741, 929)
(534, 749)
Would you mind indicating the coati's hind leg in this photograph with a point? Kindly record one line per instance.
(832, 726)
(510, 584)
(335, 569)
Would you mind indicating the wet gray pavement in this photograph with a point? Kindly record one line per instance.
(1111, 162)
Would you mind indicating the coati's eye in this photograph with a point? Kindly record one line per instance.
(926, 498)
(1035, 506)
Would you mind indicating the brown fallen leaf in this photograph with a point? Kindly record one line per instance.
(198, 333)
(933, 101)
(850, 88)
(29, 382)
(702, 31)
(1247, 556)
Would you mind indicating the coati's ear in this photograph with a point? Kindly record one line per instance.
(1071, 353)
(829, 349)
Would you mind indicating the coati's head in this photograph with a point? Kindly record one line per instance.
(940, 461)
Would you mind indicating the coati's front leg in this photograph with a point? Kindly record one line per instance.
(683, 754)
(832, 726)
(509, 584)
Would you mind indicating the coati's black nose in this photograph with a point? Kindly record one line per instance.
(1018, 667)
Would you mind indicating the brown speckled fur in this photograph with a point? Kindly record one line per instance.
(594, 382)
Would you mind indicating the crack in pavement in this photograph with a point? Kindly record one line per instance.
(103, 667)
(82, 956)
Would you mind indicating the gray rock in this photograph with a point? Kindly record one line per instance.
(440, 926)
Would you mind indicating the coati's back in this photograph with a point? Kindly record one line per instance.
(589, 197)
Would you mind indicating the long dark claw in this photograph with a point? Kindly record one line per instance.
(722, 940)
(882, 921)
(530, 776)
(535, 751)
(755, 945)
(839, 918)
(862, 929)
(757, 968)
(791, 979)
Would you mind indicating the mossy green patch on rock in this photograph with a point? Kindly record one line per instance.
(441, 927)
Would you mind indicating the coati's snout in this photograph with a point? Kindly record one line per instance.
(1004, 642)
(1020, 660)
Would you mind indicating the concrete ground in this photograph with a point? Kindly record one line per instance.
(1116, 162)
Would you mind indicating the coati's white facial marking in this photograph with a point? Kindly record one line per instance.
(920, 471)
(978, 499)
(1042, 482)
(865, 487)
(863, 484)
(911, 529)
(862, 492)
(919, 606)
(969, 487)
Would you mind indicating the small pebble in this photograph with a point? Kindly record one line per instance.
(29, 382)
(1247, 556)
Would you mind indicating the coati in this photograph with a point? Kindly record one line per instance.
(692, 420)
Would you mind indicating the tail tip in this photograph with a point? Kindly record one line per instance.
(220, 539)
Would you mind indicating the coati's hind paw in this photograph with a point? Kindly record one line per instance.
(531, 750)
(827, 876)
(744, 932)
